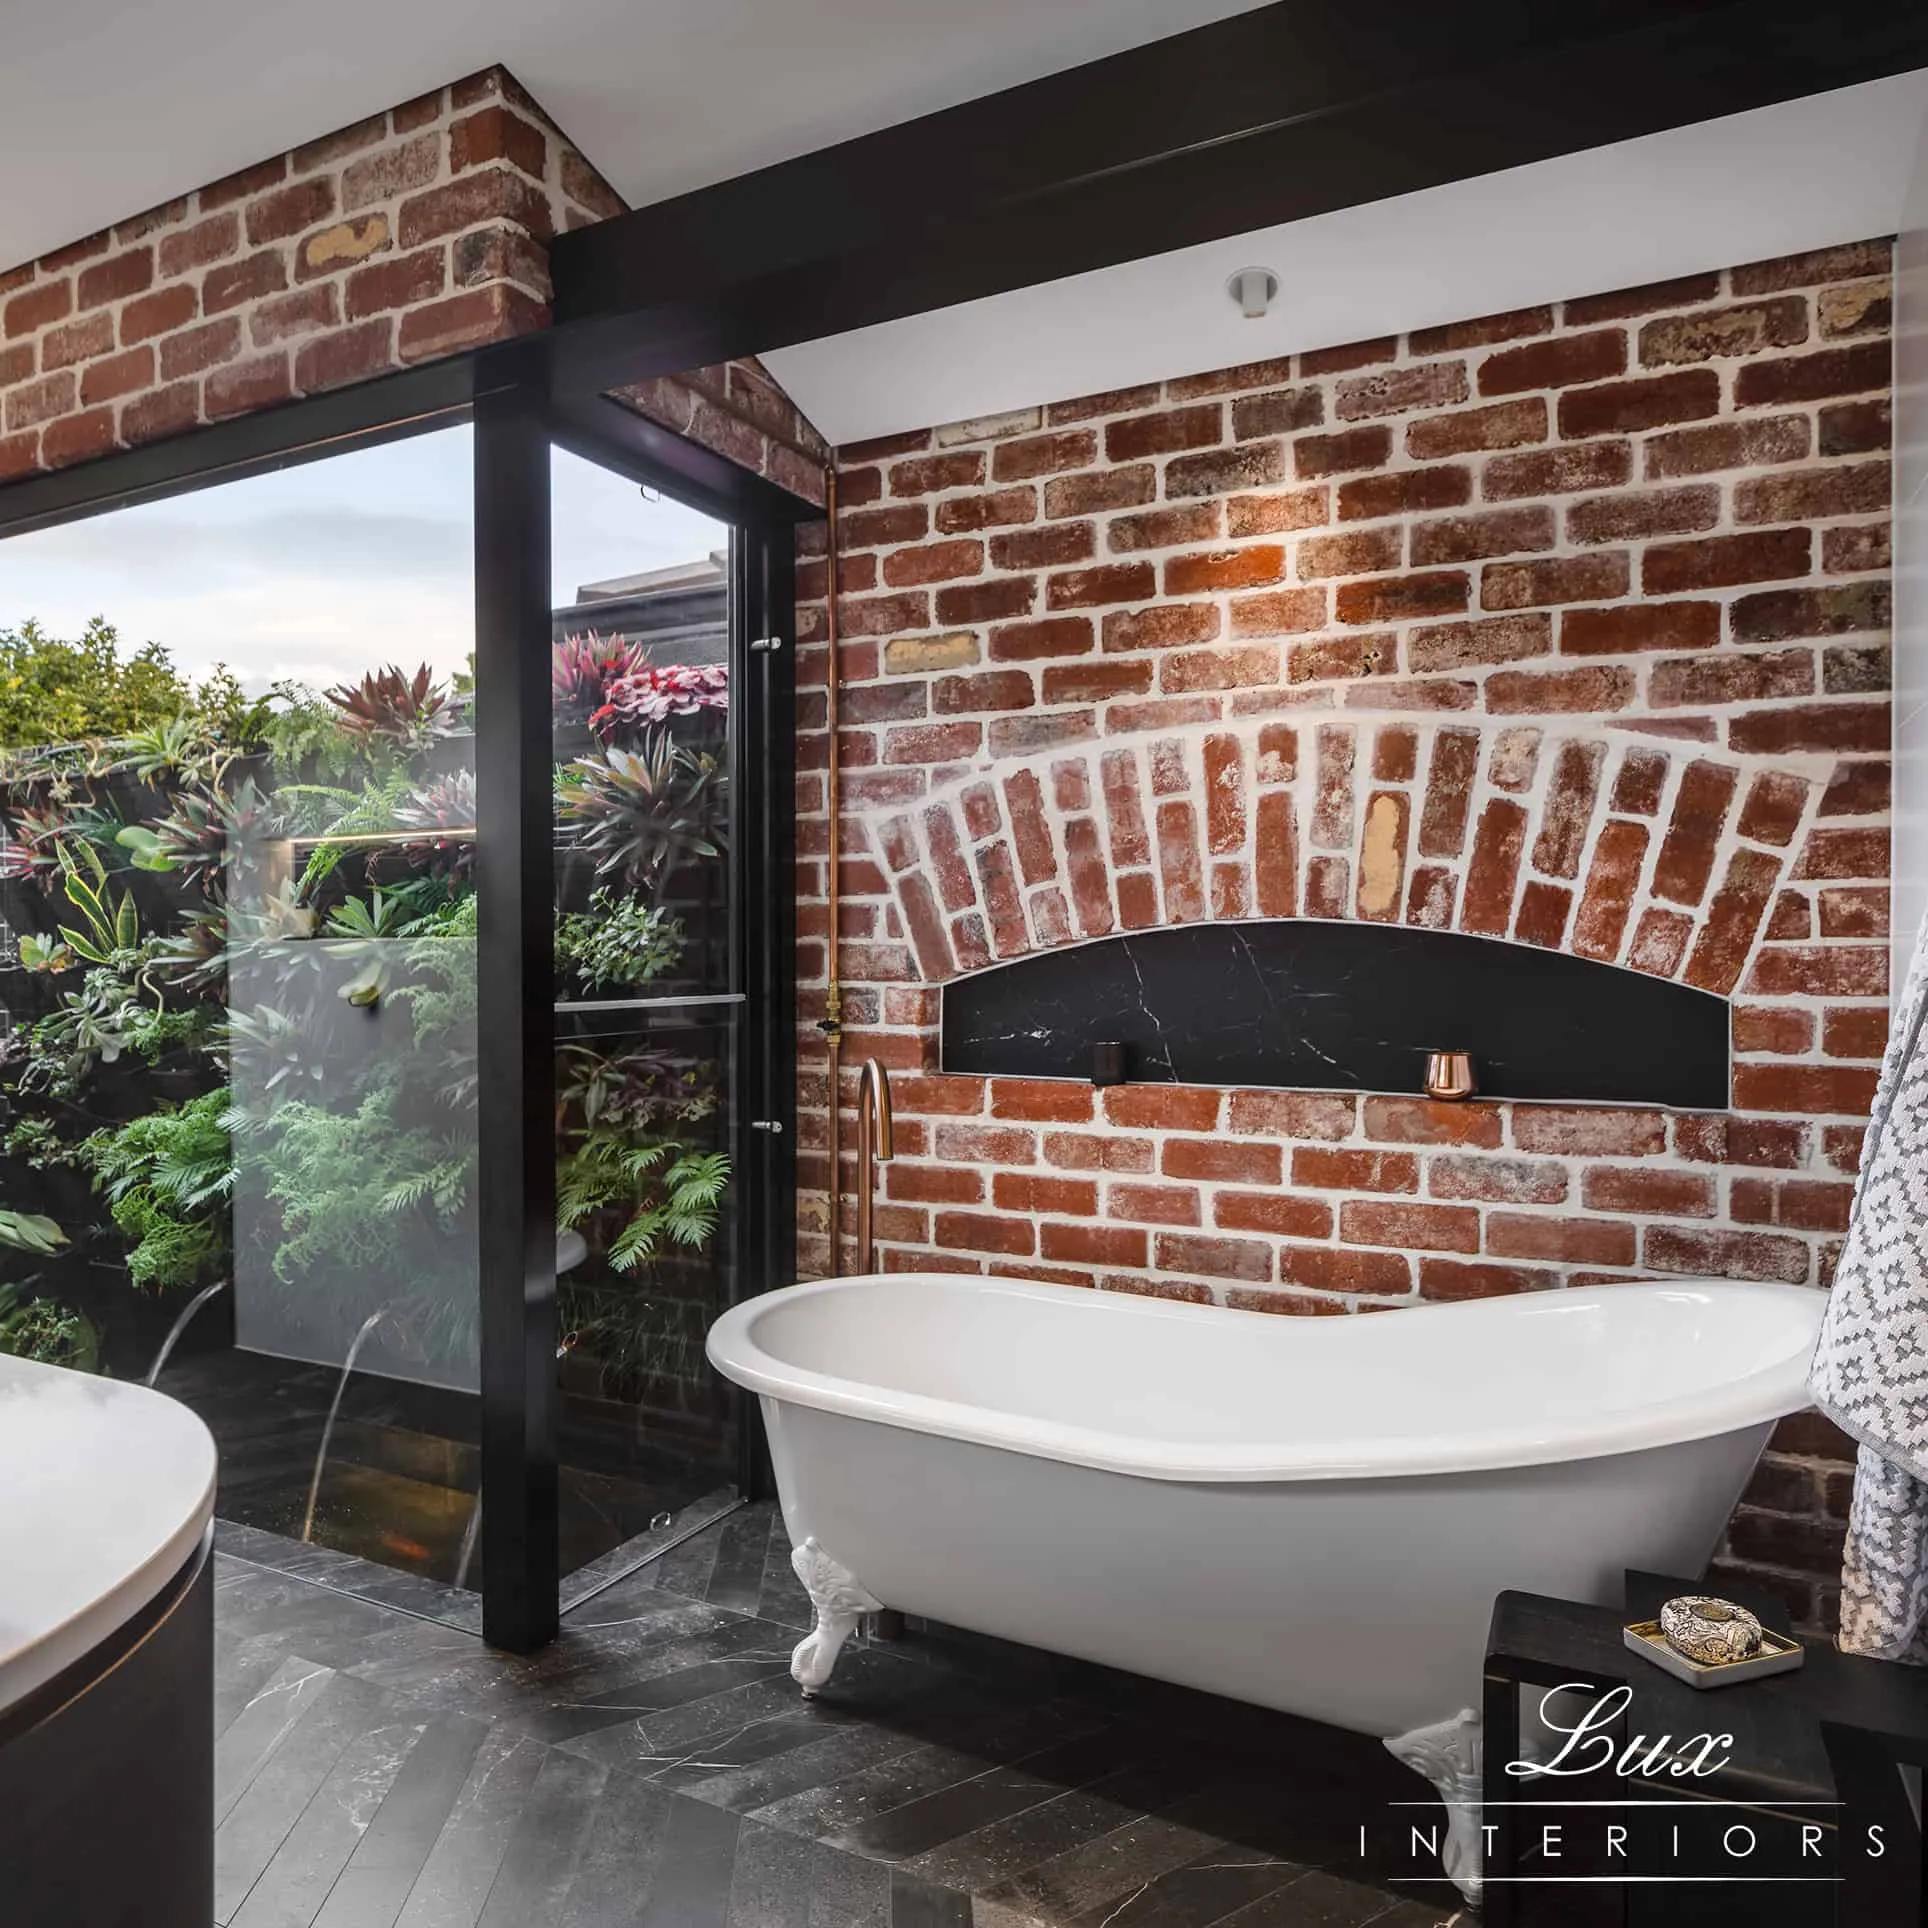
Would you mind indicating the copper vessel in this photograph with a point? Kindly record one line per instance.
(1449, 1074)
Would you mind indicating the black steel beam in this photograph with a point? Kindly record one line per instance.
(515, 1015)
(1272, 116)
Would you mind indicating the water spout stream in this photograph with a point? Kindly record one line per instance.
(355, 1345)
(180, 1326)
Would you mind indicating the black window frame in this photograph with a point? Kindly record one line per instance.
(516, 411)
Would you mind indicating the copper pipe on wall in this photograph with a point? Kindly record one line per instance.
(876, 1145)
(831, 1023)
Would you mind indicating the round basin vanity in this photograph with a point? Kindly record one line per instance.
(106, 1654)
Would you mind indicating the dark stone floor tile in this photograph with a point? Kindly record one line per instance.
(918, 1827)
(1102, 1872)
(826, 1755)
(686, 1569)
(454, 1883)
(1204, 1890)
(258, 1817)
(539, 1862)
(618, 1857)
(656, 1765)
(260, 1726)
(1324, 1900)
(387, 1860)
(1005, 1848)
(782, 1598)
(847, 1804)
(922, 1904)
(296, 1882)
(736, 1574)
(783, 1881)
(694, 1868)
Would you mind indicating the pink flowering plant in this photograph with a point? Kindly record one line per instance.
(654, 693)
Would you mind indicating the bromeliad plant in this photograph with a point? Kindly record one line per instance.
(582, 669)
(641, 813)
(391, 708)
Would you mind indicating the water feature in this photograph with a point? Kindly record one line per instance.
(180, 1326)
(355, 1345)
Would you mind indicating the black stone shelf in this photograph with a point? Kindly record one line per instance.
(1304, 1004)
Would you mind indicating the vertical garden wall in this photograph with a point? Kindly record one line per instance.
(239, 1084)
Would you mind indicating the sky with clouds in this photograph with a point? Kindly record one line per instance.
(319, 572)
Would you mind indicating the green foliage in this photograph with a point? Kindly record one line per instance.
(45, 1330)
(54, 691)
(109, 928)
(41, 1328)
(628, 1172)
(664, 1192)
(618, 940)
(342, 1180)
(37, 1143)
(104, 1020)
(30, 1232)
(303, 735)
(168, 1178)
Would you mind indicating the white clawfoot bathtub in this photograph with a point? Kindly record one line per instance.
(1313, 1514)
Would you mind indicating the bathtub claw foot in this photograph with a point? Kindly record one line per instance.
(1448, 1754)
(840, 1603)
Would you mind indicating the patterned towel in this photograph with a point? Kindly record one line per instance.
(1871, 1367)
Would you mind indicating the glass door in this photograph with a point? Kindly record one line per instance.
(652, 735)
(238, 1091)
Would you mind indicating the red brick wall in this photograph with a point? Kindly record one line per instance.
(737, 409)
(1567, 625)
(413, 235)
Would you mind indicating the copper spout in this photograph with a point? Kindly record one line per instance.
(875, 1147)
(1449, 1075)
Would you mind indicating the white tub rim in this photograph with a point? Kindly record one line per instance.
(1752, 1399)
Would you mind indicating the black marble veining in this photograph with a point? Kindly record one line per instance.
(657, 1768)
(1350, 1007)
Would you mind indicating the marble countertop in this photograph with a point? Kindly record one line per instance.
(105, 1490)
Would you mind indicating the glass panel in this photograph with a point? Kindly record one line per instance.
(241, 1070)
(647, 1014)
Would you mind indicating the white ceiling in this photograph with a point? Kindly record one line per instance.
(108, 107)
(1833, 167)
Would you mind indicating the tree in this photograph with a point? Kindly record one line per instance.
(52, 691)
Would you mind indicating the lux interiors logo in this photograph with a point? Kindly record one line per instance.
(1670, 1824)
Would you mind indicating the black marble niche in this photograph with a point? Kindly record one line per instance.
(1345, 1007)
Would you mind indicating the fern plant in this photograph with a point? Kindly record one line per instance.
(665, 1192)
(168, 1178)
(343, 1180)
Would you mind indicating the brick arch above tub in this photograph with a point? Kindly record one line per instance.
(1660, 855)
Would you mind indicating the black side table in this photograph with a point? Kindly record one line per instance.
(1823, 1746)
